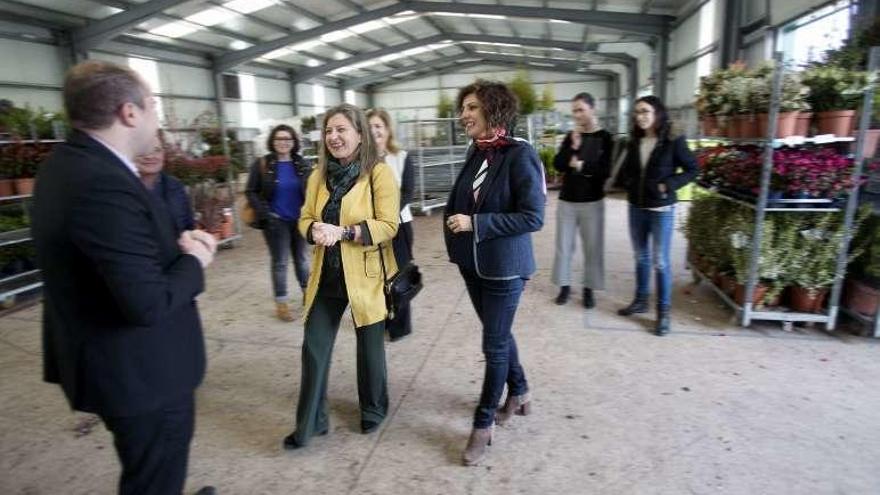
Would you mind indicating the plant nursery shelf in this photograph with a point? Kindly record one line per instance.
(779, 314)
(15, 198)
(18, 284)
(31, 141)
(872, 323)
(790, 141)
(15, 237)
(776, 205)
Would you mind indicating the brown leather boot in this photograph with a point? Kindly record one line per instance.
(521, 405)
(282, 310)
(475, 451)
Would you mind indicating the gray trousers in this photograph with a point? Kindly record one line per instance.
(588, 220)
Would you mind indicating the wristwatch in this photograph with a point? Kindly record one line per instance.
(348, 234)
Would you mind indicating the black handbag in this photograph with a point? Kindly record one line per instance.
(404, 285)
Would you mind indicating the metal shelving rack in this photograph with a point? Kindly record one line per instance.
(436, 165)
(22, 282)
(747, 313)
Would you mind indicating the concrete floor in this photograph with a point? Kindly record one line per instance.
(712, 408)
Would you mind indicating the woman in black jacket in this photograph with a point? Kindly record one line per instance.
(656, 166)
(276, 190)
(584, 159)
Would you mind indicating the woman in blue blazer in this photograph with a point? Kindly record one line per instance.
(495, 205)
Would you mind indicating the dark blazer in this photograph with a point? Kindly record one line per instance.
(509, 208)
(588, 183)
(671, 163)
(260, 188)
(173, 194)
(121, 331)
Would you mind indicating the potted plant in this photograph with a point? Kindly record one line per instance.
(790, 103)
(552, 176)
(813, 271)
(863, 281)
(8, 169)
(834, 94)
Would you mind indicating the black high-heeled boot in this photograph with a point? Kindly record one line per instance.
(663, 324)
(564, 292)
(639, 305)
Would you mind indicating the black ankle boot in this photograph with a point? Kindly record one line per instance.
(564, 292)
(639, 305)
(663, 324)
(589, 301)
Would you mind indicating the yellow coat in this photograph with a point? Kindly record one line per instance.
(360, 264)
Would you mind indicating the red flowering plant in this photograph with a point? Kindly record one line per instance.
(194, 170)
(20, 160)
(821, 173)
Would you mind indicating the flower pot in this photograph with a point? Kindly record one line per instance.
(739, 294)
(802, 124)
(710, 125)
(785, 124)
(226, 229)
(869, 146)
(807, 301)
(7, 187)
(861, 297)
(727, 126)
(838, 123)
(747, 126)
(24, 186)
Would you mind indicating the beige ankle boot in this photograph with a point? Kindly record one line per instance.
(521, 405)
(282, 310)
(476, 447)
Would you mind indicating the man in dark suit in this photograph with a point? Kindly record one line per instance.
(121, 331)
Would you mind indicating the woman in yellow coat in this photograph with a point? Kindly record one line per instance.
(351, 208)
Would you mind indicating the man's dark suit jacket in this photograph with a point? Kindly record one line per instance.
(121, 331)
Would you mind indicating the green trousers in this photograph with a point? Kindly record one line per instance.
(319, 335)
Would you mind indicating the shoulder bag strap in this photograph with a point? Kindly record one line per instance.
(373, 202)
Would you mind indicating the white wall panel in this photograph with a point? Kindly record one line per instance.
(30, 63)
(273, 90)
(47, 99)
(189, 81)
(180, 112)
(785, 11)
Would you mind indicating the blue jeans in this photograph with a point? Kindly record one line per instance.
(284, 239)
(656, 225)
(495, 302)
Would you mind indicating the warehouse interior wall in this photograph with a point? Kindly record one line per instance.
(34, 73)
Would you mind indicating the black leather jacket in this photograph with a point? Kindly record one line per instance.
(671, 163)
(261, 183)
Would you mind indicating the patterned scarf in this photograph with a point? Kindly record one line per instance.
(488, 147)
(340, 180)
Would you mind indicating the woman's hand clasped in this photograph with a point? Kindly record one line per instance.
(325, 234)
(459, 223)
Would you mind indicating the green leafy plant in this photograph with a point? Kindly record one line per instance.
(820, 239)
(834, 88)
(548, 99)
(547, 154)
(522, 87)
(445, 107)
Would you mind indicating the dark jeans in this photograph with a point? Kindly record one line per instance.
(401, 325)
(284, 239)
(154, 448)
(320, 334)
(495, 302)
(655, 227)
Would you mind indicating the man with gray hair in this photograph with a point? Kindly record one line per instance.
(121, 330)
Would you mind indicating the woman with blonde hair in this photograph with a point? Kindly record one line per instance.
(401, 163)
(351, 210)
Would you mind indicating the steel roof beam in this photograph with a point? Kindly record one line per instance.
(97, 32)
(654, 25)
